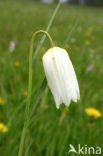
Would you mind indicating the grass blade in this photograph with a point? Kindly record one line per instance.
(70, 33)
(38, 96)
(47, 29)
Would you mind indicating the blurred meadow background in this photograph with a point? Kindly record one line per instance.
(50, 130)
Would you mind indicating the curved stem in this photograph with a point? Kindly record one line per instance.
(30, 88)
(47, 29)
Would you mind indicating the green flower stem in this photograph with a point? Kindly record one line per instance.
(47, 29)
(30, 88)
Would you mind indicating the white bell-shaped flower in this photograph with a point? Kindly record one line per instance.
(61, 76)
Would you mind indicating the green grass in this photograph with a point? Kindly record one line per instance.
(50, 130)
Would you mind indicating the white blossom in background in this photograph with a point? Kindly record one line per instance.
(51, 1)
(73, 40)
(47, 1)
(89, 68)
(13, 45)
(79, 29)
(97, 56)
(91, 51)
(61, 76)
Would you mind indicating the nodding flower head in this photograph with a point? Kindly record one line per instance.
(61, 76)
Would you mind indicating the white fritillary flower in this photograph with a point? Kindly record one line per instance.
(61, 76)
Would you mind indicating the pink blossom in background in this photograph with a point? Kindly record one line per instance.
(13, 45)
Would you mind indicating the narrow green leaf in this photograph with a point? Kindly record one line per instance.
(70, 33)
(47, 29)
(38, 96)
